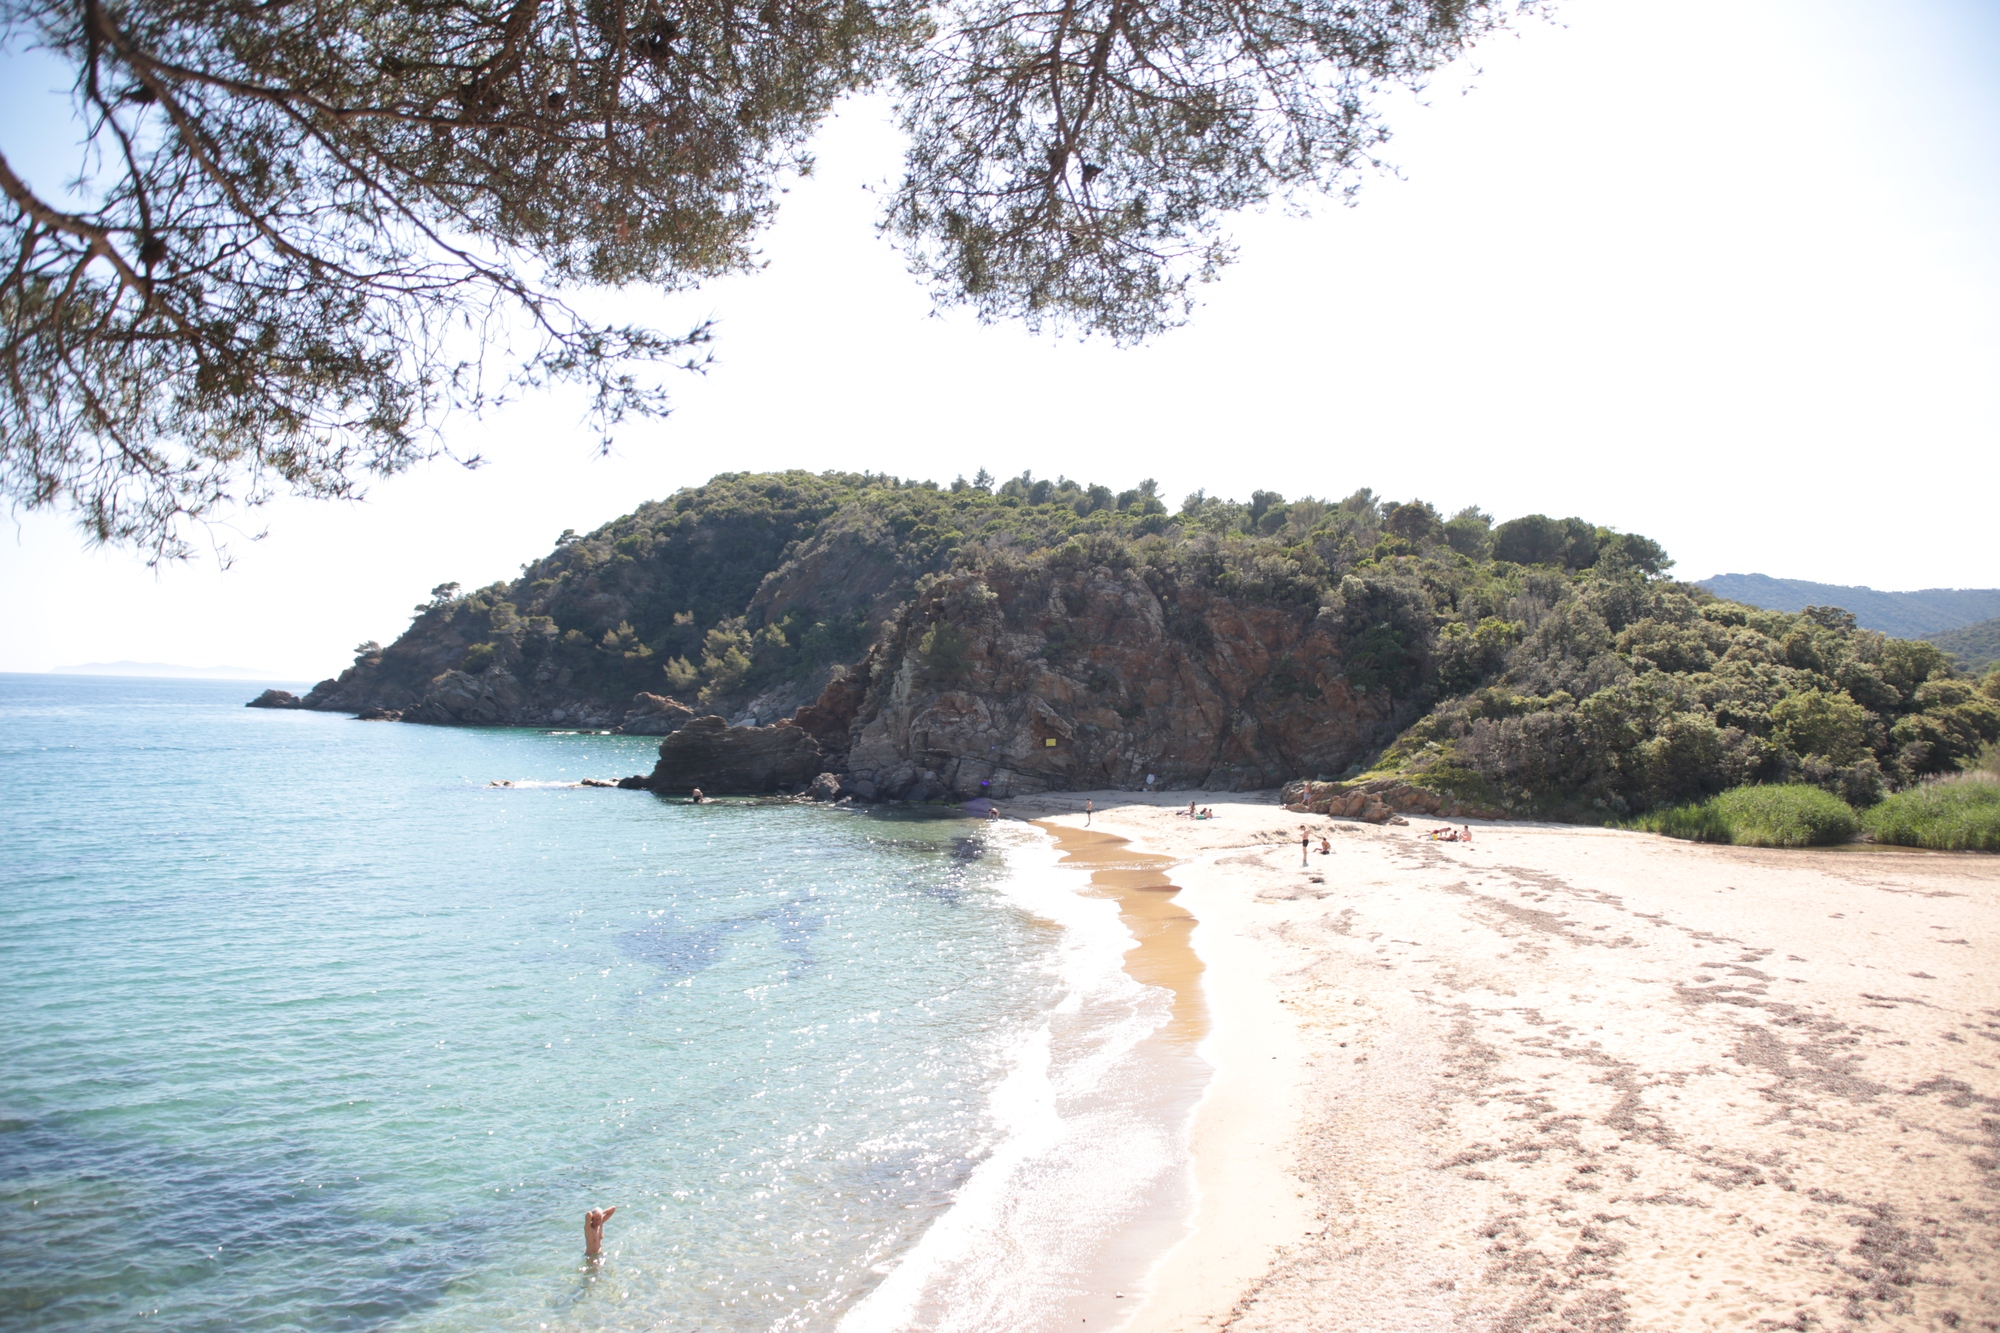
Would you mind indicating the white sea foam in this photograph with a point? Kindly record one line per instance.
(1089, 1150)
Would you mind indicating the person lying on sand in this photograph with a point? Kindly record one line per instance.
(593, 1230)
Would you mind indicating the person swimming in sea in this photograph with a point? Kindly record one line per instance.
(593, 1231)
(696, 798)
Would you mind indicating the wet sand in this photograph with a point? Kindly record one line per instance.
(1170, 1072)
(1565, 1078)
(1138, 882)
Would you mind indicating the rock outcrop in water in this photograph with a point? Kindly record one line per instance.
(276, 699)
(736, 761)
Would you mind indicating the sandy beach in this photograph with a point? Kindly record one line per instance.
(1569, 1078)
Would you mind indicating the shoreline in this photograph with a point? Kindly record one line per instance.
(1177, 1054)
(1566, 1077)
(1247, 1197)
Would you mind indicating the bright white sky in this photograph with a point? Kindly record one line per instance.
(1724, 272)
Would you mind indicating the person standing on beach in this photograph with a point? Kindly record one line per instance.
(593, 1230)
(1088, 806)
(1305, 845)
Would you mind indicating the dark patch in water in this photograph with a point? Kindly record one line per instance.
(104, 1229)
(679, 950)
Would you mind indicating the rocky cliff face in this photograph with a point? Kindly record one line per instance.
(1039, 678)
(1043, 678)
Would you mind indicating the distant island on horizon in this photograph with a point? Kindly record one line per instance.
(170, 670)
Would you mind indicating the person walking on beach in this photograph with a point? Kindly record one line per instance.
(1305, 845)
(593, 1230)
(1088, 806)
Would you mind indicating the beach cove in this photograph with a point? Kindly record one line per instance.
(361, 1060)
(1564, 1077)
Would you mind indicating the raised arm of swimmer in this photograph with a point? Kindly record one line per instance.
(593, 1230)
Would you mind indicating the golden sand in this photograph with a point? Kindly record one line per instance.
(1567, 1078)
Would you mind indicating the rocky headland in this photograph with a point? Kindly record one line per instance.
(863, 637)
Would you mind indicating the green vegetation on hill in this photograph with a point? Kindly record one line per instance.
(746, 581)
(1539, 665)
(1975, 647)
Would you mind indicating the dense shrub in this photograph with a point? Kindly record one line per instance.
(1619, 693)
(1792, 815)
(1538, 539)
(1951, 814)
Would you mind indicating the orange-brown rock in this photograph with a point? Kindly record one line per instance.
(1014, 680)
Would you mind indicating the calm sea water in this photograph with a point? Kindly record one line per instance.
(306, 1026)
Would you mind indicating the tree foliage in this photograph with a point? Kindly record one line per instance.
(303, 234)
(1070, 164)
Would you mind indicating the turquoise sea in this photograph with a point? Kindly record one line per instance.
(307, 1026)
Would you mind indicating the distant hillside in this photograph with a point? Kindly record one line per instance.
(1907, 615)
(169, 669)
(1975, 647)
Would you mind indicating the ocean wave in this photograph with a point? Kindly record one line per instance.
(1089, 1146)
